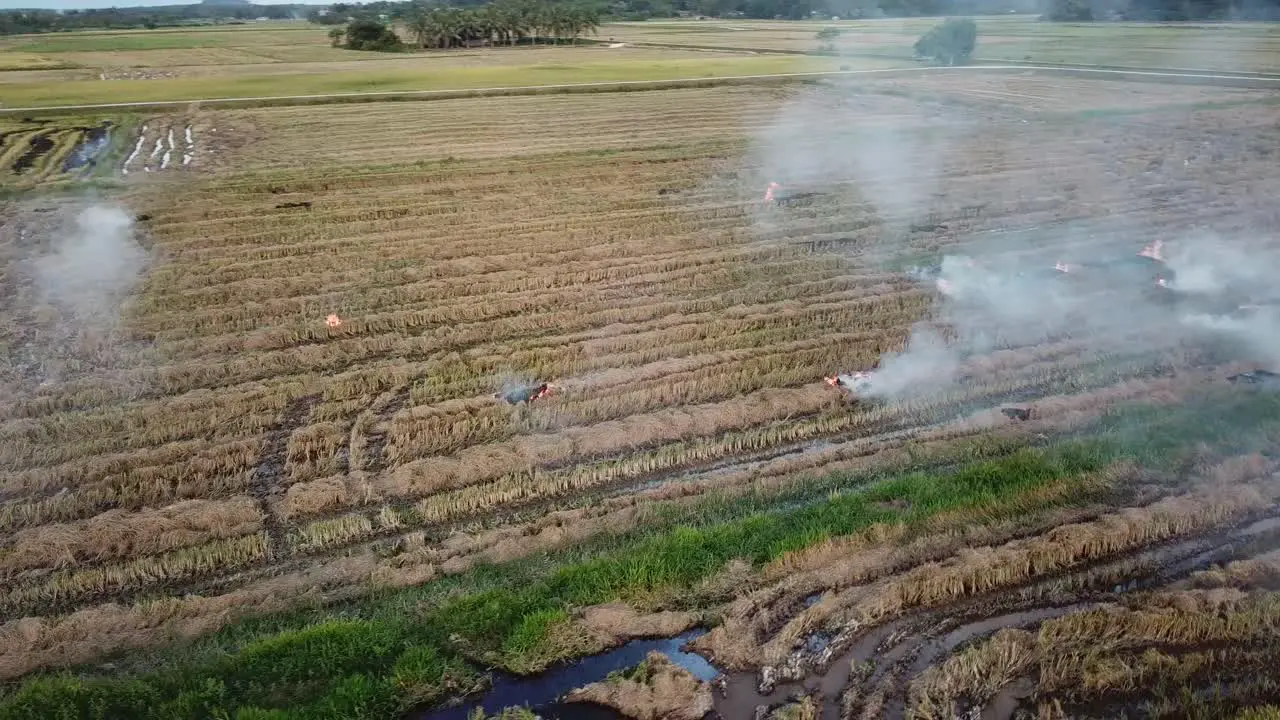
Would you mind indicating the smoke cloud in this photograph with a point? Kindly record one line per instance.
(993, 303)
(1058, 282)
(91, 269)
(67, 275)
(823, 141)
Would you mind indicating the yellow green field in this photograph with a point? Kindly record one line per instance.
(285, 58)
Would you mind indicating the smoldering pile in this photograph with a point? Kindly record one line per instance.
(524, 393)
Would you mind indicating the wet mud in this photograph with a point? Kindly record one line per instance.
(852, 672)
(267, 476)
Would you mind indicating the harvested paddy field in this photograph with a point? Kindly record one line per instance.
(33, 150)
(278, 465)
(1223, 47)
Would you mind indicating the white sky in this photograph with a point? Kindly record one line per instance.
(79, 4)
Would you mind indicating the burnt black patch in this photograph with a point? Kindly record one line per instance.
(1264, 378)
(40, 145)
(1018, 414)
(799, 198)
(285, 206)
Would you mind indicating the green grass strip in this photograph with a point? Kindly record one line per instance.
(378, 658)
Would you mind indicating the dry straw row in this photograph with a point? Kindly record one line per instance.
(1108, 650)
(117, 534)
(79, 585)
(405, 286)
(986, 569)
(193, 469)
(462, 306)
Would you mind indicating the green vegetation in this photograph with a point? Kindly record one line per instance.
(43, 21)
(418, 645)
(506, 23)
(399, 79)
(1161, 10)
(1266, 712)
(371, 35)
(267, 60)
(379, 666)
(826, 36)
(641, 673)
(950, 43)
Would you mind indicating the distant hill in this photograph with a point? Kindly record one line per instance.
(225, 2)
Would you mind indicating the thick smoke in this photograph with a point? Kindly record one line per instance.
(823, 141)
(67, 283)
(1232, 294)
(990, 303)
(92, 268)
(927, 364)
(1087, 286)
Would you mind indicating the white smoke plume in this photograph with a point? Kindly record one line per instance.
(90, 269)
(1084, 284)
(822, 141)
(996, 303)
(66, 284)
(926, 365)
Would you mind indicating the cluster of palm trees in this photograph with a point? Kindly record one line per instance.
(503, 22)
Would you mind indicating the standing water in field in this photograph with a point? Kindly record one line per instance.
(86, 153)
(542, 691)
(137, 148)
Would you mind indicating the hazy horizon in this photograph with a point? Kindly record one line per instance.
(103, 4)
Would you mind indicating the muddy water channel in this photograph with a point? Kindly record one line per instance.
(837, 671)
(542, 692)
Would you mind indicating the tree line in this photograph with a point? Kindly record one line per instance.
(13, 22)
(757, 9)
(1161, 10)
(506, 22)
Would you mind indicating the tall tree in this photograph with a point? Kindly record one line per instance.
(422, 28)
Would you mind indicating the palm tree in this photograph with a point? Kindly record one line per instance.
(583, 20)
(451, 26)
(534, 16)
(422, 28)
(511, 21)
(560, 20)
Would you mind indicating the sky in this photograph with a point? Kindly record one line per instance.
(79, 4)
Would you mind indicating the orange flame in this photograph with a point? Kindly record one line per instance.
(832, 381)
(768, 193)
(333, 321)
